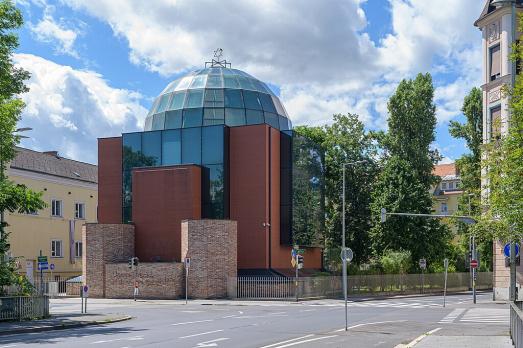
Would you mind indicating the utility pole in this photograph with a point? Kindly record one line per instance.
(343, 247)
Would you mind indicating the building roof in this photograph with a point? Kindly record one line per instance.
(229, 96)
(444, 170)
(489, 8)
(51, 163)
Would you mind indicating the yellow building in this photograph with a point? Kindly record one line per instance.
(70, 190)
(448, 191)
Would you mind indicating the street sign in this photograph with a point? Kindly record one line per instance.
(423, 263)
(187, 262)
(346, 254)
(43, 266)
(85, 291)
(446, 263)
(293, 262)
(51, 267)
(42, 258)
(473, 263)
(506, 250)
(293, 253)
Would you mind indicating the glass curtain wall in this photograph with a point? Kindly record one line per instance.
(203, 146)
(302, 191)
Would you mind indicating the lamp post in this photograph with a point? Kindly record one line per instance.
(344, 260)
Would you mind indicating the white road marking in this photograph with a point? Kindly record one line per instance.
(192, 322)
(211, 343)
(306, 341)
(192, 311)
(418, 339)
(452, 316)
(374, 323)
(134, 338)
(201, 334)
(8, 346)
(283, 342)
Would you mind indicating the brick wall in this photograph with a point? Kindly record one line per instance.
(159, 280)
(102, 244)
(212, 247)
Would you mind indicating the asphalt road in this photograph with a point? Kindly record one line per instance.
(376, 323)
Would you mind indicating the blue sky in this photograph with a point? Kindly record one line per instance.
(97, 65)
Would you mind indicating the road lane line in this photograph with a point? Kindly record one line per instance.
(374, 323)
(211, 343)
(201, 334)
(192, 322)
(306, 341)
(283, 342)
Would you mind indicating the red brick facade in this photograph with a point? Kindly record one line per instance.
(162, 198)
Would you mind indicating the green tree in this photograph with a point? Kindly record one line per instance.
(469, 166)
(404, 183)
(13, 197)
(344, 141)
(395, 262)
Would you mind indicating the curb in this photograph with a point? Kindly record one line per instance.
(63, 326)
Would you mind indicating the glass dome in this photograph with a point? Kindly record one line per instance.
(214, 96)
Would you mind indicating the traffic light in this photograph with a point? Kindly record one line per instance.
(300, 261)
(130, 262)
(135, 261)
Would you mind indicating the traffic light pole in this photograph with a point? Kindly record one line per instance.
(296, 281)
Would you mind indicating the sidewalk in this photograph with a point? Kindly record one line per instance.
(461, 339)
(58, 322)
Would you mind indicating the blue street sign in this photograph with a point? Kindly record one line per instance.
(43, 266)
(51, 266)
(293, 253)
(506, 250)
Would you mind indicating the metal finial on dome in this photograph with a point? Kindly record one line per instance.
(215, 63)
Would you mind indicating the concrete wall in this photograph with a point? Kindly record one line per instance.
(211, 245)
(159, 280)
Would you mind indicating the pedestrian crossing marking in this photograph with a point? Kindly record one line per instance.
(452, 316)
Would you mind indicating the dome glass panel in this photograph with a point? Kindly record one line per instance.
(214, 96)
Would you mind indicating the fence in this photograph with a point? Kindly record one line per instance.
(270, 288)
(58, 286)
(516, 323)
(24, 307)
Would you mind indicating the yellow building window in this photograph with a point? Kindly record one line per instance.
(57, 248)
(56, 207)
(79, 211)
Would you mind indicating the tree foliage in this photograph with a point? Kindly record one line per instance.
(405, 180)
(396, 262)
(346, 141)
(13, 197)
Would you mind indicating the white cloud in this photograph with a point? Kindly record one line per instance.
(49, 31)
(69, 109)
(318, 54)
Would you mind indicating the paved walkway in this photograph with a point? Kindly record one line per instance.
(57, 322)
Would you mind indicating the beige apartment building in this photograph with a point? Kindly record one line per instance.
(70, 190)
(497, 23)
(448, 191)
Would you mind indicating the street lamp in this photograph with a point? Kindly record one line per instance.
(344, 259)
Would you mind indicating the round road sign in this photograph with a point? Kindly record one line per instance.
(51, 266)
(346, 254)
(474, 263)
(506, 250)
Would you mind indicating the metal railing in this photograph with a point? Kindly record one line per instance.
(24, 307)
(57, 287)
(281, 288)
(516, 323)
